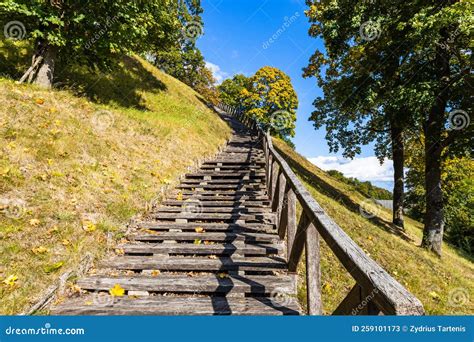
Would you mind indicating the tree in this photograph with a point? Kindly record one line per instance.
(458, 188)
(383, 66)
(272, 100)
(89, 33)
(230, 90)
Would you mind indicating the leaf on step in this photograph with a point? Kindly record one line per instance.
(197, 242)
(54, 267)
(222, 275)
(117, 291)
(39, 250)
(212, 256)
(155, 273)
(10, 280)
(119, 251)
(179, 197)
(88, 302)
(199, 230)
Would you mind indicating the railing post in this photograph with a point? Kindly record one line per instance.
(279, 200)
(298, 243)
(313, 271)
(274, 179)
(288, 219)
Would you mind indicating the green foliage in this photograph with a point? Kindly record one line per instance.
(365, 188)
(93, 32)
(230, 90)
(272, 100)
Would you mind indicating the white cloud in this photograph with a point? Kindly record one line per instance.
(219, 75)
(363, 168)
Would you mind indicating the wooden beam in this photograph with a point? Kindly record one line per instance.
(313, 271)
(298, 243)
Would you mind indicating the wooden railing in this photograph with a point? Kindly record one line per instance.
(375, 291)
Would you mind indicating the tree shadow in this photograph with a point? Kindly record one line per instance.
(123, 86)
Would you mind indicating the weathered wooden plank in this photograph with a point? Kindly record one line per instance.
(197, 206)
(160, 305)
(254, 284)
(232, 204)
(191, 236)
(196, 264)
(267, 217)
(208, 226)
(298, 243)
(313, 271)
(191, 248)
(350, 302)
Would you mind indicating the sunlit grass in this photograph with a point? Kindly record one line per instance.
(78, 177)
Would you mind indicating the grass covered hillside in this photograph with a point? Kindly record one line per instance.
(444, 285)
(76, 164)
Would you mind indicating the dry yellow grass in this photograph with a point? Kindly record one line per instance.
(74, 170)
(444, 286)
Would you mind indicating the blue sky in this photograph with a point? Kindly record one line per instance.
(237, 40)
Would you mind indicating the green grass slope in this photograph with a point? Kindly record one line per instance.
(77, 164)
(444, 285)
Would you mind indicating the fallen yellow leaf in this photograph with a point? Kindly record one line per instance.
(434, 295)
(199, 230)
(119, 251)
(66, 242)
(10, 280)
(88, 226)
(155, 273)
(197, 242)
(34, 222)
(117, 291)
(223, 275)
(179, 197)
(39, 250)
(39, 101)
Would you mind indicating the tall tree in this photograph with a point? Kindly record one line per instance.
(230, 90)
(272, 100)
(383, 66)
(86, 32)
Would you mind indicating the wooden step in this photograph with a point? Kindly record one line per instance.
(189, 206)
(165, 305)
(232, 204)
(208, 226)
(220, 237)
(254, 284)
(196, 264)
(196, 216)
(202, 248)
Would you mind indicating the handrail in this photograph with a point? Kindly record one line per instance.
(375, 290)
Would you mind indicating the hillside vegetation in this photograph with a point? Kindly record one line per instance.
(77, 164)
(444, 285)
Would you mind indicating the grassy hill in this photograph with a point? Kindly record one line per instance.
(77, 164)
(444, 286)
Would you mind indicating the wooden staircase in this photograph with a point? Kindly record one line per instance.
(212, 249)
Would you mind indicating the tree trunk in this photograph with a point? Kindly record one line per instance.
(434, 126)
(434, 216)
(398, 155)
(45, 73)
